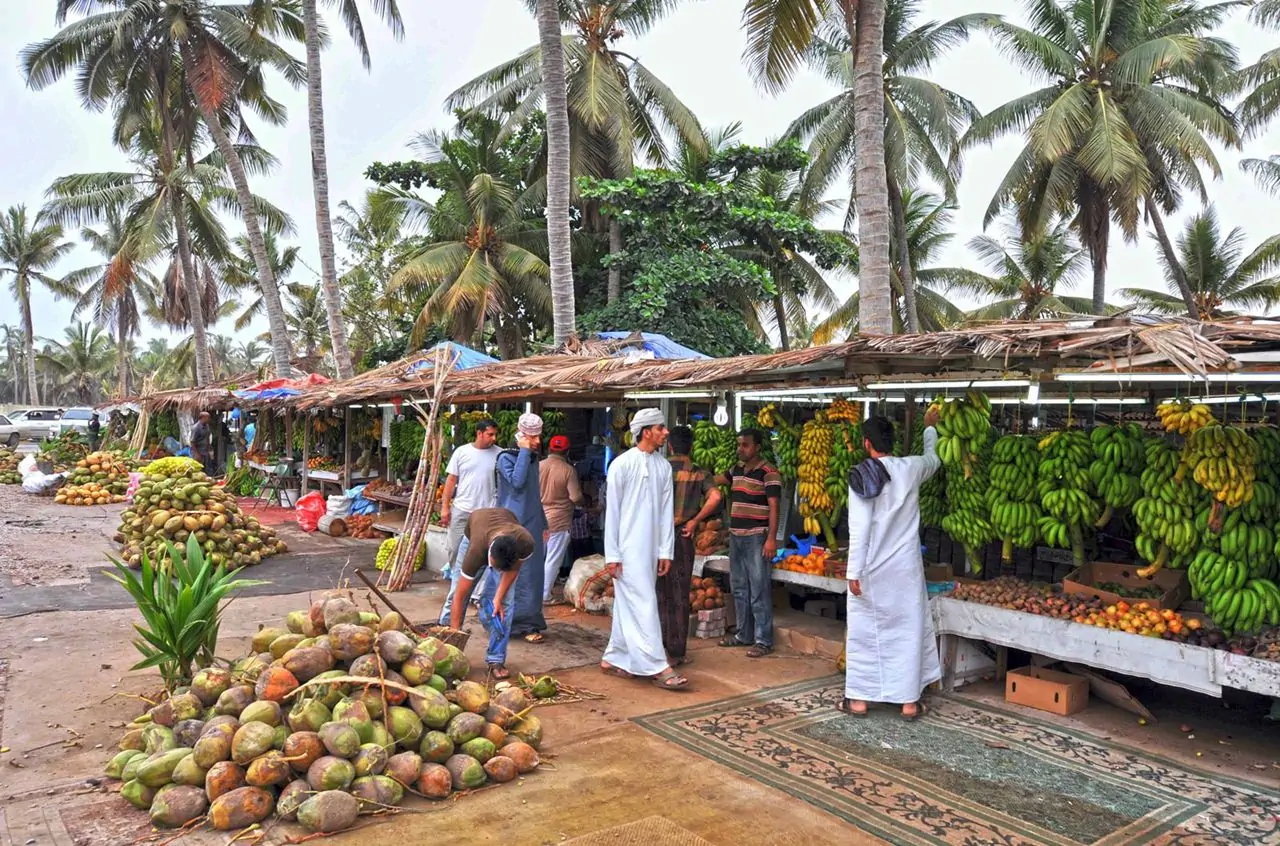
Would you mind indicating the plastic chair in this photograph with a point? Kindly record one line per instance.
(273, 484)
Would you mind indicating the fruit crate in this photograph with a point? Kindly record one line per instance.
(1172, 584)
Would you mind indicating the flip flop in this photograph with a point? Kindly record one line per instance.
(921, 710)
(499, 672)
(535, 637)
(732, 641)
(669, 679)
(846, 707)
(616, 672)
(758, 651)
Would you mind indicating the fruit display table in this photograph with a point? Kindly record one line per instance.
(720, 564)
(1167, 662)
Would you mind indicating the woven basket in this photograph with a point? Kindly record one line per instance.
(444, 634)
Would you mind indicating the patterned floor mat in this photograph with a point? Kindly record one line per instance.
(968, 774)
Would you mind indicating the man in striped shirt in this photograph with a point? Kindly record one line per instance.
(755, 491)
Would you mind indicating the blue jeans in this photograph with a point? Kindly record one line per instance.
(499, 630)
(528, 591)
(752, 589)
(455, 570)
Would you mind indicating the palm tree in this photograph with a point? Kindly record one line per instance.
(29, 248)
(1027, 275)
(1262, 103)
(239, 272)
(478, 260)
(1223, 277)
(559, 247)
(79, 363)
(306, 318)
(779, 36)
(929, 219)
(924, 119)
(13, 356)
(373, 235)
(1125, 119)
(113, 290)
(177, 58)
(250, 355)
(1265, 171)
(349, 11)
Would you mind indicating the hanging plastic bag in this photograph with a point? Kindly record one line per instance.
(310, 509)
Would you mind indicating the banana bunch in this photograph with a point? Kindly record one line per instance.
(845, 453)
(933, 504)
(1064, 486)
(964, 426)
(1250, 544)
(1236, 602)
(769, 417)
(817, 441)
(714, 448)
(786, 448)
(1165, 512)
(1184, 417)
(1268, 440)
(843, 411)
(968, 517)
(1224, 461)
(1119, 457)
(1012, 498)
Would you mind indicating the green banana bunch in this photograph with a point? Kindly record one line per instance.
(964, 427)
(1119, 457)
(1234, 600)
(1064, 486)
(714, 448)
(846, 451)
(1012, 500)
(786, 448)
(933, 505)
(968, 517)
(1165, 511)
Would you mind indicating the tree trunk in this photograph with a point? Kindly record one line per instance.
(1171, 258)
(122, 353)
(320, 184)
(615, 272)
(780, 315)
(195, 303)
(557, 105)
(875, 302)
(903, 249)
(29, 342)
(281, 348)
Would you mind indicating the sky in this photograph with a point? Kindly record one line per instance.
(371, 116)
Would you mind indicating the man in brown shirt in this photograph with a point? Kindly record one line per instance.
(560, 492)
(494, 547)
(696, 498)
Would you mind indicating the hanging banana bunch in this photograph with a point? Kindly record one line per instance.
(933, 504)
(714, 449)
(846, 452)
(552, 423)
(817, 440)
(843, 411)
(1012, 498)
(968, 518)
(1165, 512)
(1066, 490)
(1119, 457)
(964, 425)
(1234, 572)
(1223, 460)
(1184, 417)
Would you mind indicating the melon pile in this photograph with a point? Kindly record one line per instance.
(174, 507)
(336, 714)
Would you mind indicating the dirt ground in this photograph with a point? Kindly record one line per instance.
(42, 543)
(66, 692)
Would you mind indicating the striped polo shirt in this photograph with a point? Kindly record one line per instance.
(751, 488)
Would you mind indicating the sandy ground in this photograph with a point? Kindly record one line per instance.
(42, 543)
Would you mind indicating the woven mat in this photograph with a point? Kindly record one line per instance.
(650, 831)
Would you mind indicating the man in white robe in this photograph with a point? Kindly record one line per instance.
(639, 543)
(891, 654)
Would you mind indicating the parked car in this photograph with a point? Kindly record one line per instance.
(9, 434)
(36, 424)
(75, 420)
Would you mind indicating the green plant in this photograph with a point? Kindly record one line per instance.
(181, 609)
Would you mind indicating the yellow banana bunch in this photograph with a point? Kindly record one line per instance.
(843, 411)
(1223, 460)
(817, 439)
(768, 417)
(1183, 416)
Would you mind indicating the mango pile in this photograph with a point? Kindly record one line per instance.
(173, 502)
(90, 493)
(336, 714)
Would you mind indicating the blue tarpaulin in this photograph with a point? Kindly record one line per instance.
(660, 345)
(467, 357)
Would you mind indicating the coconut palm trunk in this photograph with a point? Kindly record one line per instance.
(195, 307)
(557, 103)
(1095, 232)
(903, 259)
(1171, 258)
(615, 272)
(281, 349)
(875, 301)
(29, 343)
(780, 315)
(320, 186)
(122, 350)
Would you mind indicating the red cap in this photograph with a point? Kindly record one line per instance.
(559, 443)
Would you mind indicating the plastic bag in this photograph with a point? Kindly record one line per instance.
(587, 582)
(36, 482)
(310, 509)
(360, 505)
(27, 466)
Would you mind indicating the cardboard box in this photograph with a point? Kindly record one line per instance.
(1172, 584)
(938, 573)
(1047, 690)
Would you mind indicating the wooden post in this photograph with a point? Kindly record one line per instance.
(909, 423)
(306, 454)
(346, 449)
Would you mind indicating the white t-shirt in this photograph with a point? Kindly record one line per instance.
(474, 469)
